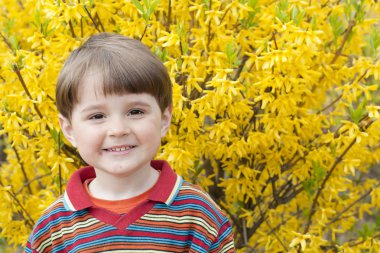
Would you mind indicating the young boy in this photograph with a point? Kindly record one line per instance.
(114, 99)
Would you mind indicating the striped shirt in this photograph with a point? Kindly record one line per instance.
(176, 217)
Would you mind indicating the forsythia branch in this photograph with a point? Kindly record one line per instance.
(28, 219)
(22, 169)
(18, 73)
(338, 215)
(322, 186)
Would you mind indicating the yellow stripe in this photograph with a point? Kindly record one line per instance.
(174, 191)
(132, 251)
(181, 220)
(68, 203)
(63, 231)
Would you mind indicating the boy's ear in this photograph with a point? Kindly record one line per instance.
(165, 120)
(67, 129)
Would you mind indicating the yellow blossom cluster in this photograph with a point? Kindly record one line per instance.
(275, 112)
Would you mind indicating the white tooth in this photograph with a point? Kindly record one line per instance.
(119, 149)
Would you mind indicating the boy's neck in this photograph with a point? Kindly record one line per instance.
(111, 187)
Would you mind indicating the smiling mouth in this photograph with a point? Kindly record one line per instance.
(119, 149)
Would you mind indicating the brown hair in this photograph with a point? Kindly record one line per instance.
(125, 65)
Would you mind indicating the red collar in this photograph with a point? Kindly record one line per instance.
(164, 191)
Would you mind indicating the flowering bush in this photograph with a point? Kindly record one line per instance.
(275, 111)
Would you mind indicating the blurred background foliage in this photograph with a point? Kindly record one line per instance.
(276, 111)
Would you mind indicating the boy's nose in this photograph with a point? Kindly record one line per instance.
(118, 127)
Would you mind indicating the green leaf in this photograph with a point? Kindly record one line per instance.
(198, 170)
(249, 21)
(319, 171)
(162, 54)
(309, 187)
(377, 222)
(360, 10)
(336, 25)
(314, 22)
(154, 5)
(230, 52)
(359, 112)
(57, 137)
(138, 6)
(8, 26)
(146, 9)
(368, 230)
(297, 15)
(37, 16)
(14, 42)
(373, 42)
(252, 3)
(20, 62)
(281, 11)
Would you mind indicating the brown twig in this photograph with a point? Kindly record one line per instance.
(345, 38)
(221, 20)
(274, 39)
(143, 34)
(331, 104)
(91, 18)
(362, 241)
(81, 27)
(341, 95)
(19, 2)
(273, 231)
(31, 181)
(169, 16)
(26, 179)
(28, 219)
(245, 236)
(21, 79)
(332, 169)
(7, 42)
(338, 215)
(338, 53)
(72, 29)
(240, 68)
(100, 22)
(209, 35)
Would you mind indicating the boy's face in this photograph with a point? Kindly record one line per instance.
(116, 134)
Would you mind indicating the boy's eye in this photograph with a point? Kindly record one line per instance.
(97, 116)
(135, 112)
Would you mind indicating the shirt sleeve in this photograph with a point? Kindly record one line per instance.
(28, 248)
(224, 243)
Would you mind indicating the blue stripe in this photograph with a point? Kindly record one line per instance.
(67, 243)
(58, 220)
(162, 231)
(203, 200)
(188, 207)
(126, 239)
(65, 204)
(198, 248)
(221, 238)
(176, 190)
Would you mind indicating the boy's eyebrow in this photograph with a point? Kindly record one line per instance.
(92, 107)
(139, 103)
(101, 106)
